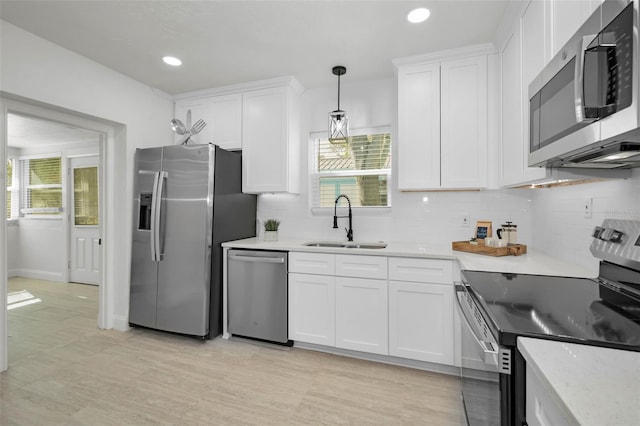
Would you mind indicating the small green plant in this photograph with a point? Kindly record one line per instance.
(271, 224)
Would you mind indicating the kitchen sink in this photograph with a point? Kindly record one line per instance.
(334, 244)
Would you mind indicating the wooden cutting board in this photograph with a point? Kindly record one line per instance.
(510, 250)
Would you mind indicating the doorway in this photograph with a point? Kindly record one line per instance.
(53, 213)
(111, 174)
(85, 264)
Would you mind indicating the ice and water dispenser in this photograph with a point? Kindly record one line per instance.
(144, 217)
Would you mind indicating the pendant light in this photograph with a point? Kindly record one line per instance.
(338, 120)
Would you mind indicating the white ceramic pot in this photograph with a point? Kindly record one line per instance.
(271, 235)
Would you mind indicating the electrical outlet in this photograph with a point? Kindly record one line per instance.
(466, 220)
(587, 205)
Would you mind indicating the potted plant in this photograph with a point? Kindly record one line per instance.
(271, 229)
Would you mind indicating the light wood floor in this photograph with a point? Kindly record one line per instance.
(64, 371)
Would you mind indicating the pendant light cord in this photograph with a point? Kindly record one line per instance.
(338, 92)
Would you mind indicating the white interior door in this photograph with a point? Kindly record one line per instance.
(85, 264)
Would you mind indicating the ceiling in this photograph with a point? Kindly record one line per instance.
(28, 132)
(229, 42)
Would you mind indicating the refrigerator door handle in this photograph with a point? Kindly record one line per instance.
(154, 224)
(157, 215)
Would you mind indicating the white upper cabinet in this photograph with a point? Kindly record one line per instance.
(270, 160)
(223, 115)
(226, 121)
(419, 127)
(199, 110)
(261, 119)
(523, 56)
(566, 17)
(512, 144)
(442, 120)
(463, 140)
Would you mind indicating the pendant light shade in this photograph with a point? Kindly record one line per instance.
(338, 120)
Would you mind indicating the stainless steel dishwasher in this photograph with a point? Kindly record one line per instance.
(257, 293)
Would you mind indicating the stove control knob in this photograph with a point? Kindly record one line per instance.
(597, 231)
(610, 235)
(616, 236)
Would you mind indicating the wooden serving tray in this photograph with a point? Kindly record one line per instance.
(480, 248)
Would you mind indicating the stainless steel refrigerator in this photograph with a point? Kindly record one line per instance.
(187, 201)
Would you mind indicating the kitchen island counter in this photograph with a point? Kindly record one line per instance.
(534, 262)
(590, 385)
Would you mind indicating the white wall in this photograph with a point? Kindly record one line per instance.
(412, 218)
(37, 69)
(558, 219)
(13, 249)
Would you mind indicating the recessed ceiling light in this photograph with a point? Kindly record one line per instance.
(418, 15)
(170, 60)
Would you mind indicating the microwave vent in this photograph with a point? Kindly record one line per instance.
(621, 154)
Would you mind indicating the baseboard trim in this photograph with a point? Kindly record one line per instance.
(38, 275)
(121, 323)
(386, 359)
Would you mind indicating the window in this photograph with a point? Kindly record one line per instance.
(41, 186)
(359, 167)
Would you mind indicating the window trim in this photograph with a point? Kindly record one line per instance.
(313, 175)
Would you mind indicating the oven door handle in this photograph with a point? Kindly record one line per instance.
(491, 355)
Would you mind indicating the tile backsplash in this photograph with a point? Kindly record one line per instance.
(550, 220)
(430, 217)
(561, 228)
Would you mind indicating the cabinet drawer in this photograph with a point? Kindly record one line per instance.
(421, 270)
(361, 266)
(312, 263)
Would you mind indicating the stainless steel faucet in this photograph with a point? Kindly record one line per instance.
(335, 217)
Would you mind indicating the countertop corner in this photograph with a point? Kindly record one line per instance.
(596, 386)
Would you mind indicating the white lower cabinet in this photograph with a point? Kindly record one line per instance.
(388, 306)
(361, 315)
(312, 308)
(421, 321)
(421, 309)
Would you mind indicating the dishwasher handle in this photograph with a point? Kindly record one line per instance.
(261, 259)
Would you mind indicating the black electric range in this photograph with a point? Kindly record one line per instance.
(579, 310)
(496, 308)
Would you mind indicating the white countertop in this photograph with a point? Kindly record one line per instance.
(596, 386)
(534, 262)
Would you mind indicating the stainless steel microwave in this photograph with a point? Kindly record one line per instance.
(583, 106)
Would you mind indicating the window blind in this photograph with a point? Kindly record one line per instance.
(41, 186)
(358, 166)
